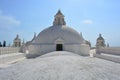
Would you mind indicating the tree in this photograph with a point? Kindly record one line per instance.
(0, 44)
(4, 43)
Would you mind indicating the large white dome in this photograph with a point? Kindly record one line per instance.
(51, 34)
(58, 37)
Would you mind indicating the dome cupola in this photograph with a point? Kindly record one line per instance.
(59, 19)
(100, 42)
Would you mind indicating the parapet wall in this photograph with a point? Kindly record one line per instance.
(11, 58)
(108, 53)
(8, 50)
(109, 50)
(110, 58)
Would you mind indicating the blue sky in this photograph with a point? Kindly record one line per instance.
(91, 17)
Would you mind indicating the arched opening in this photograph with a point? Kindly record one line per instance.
(59, 47)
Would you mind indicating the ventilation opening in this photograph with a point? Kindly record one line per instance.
(59, 47)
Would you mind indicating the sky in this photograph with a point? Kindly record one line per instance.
(91, 17)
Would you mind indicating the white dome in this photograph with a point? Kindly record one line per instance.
(51, 34)
(58, 37)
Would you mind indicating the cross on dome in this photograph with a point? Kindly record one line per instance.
(100, 35)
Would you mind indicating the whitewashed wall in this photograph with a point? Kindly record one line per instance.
(8, 50)
(109, 50)
(37, 50)
(84, 49)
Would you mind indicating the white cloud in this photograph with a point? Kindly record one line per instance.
(87, 22)
(8, 21)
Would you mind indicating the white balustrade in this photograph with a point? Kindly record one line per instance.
(8, 50)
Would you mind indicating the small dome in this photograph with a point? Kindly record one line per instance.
(51, 34)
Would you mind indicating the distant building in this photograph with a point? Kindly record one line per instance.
(17, 42)
(100, 42)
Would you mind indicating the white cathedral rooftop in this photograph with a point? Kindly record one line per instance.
(60, 48)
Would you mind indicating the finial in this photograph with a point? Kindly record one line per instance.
(17, 36)
(81, 33)
(34, 34)
(9, 44)
(23, 41)
(59, 12)
(99, 35)
(107, 44)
